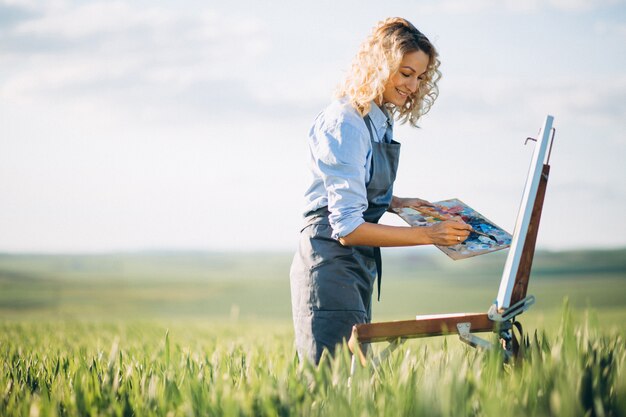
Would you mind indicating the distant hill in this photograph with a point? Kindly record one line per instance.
(164, 265)
(256, 284)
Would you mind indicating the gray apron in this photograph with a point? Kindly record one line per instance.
(332, 284)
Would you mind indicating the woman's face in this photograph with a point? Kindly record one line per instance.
(407, 79)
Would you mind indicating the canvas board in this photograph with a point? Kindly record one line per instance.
(522, 222)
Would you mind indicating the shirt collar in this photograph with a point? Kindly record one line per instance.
(380, 120)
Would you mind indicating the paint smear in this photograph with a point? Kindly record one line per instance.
(454, 208)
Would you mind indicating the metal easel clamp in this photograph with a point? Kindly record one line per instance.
(382, 356)
(553, 131)
(469, 338)
(515, 310)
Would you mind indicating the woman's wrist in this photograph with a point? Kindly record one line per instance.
(396, 202)
(426, 237)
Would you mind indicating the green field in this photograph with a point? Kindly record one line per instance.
(176, 334)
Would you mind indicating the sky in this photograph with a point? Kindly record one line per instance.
(164, 125)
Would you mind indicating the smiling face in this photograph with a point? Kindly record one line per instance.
(406, 80)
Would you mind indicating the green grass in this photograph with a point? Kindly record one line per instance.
(235, 369)
(186, 334)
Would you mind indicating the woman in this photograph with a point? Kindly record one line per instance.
(354, 160)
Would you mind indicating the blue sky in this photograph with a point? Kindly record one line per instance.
(182, 125)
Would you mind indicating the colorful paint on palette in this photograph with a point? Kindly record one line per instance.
(455, 209)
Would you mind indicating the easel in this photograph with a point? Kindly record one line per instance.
(511, 300)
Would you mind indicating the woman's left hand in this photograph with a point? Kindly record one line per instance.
(423, 206)
(415, 203)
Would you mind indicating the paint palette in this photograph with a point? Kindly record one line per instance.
(454, 208)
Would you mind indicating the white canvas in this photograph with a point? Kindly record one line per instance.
(512, 263)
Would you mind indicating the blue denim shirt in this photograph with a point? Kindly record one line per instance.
(340, 161)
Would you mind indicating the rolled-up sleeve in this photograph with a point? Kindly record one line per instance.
(341, 153)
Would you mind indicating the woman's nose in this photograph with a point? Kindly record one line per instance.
(413, 84)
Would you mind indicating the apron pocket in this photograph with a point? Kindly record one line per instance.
(340, 285)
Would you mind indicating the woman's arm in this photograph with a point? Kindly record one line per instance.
(446, 233)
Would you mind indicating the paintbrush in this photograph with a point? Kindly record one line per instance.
(441, 213)
(492, 237)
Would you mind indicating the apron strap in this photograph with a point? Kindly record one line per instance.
(379, 268)
(377, 255)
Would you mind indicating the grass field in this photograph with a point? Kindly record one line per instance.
(176, 334)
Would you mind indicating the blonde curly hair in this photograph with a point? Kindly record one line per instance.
(379, 58)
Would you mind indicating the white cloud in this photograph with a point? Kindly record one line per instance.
(85, 20)
(592, 102)
(617, 29)
(514, 6)
(581, 5)
(27, 4)
(107, 51)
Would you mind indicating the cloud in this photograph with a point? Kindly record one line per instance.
(597, 103)
(12, 14)
(94, 19)
(582, 5)
(608, 28)
(114, 53)
(593, 102)
(514, 6)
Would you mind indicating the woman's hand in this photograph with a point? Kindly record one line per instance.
(452, 231)
(448, 233)
(397, 202)
(425, 207)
